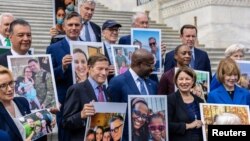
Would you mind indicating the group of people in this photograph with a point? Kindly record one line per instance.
(76, 100)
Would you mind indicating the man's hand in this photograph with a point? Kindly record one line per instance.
(88, 110)
(67, 59)
(163, 48)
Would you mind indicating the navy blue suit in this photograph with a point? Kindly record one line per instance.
(97, 31)
(3, 58)
(201, 61)
(123, 85)
(63, 79)
(7, 124)
(125, 40)
(4, 136)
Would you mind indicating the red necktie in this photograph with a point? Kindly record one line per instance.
(100, 94)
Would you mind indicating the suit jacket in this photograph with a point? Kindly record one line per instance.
(220, 95)
(78, 95)
(7, 124)
(107, 55)
(123, 85)
(63, 78)
(178, 117)
(166, 85)
(125, 40)
(4, 136)
(201, 61)
(97, 31)
(3, 58)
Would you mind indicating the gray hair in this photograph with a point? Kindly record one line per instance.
(92, 2)
(227, 119)
(5, 15)
(234, 48)
(137, 15)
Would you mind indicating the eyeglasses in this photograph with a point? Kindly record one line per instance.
(154, 127)
(116, 129)
(114, 29)
(151, 44)
(186, 52)
(139, 114)
(4, 86)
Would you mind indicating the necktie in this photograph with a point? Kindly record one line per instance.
(87, 35)
(192, 61)
(7, 40)
(142, 87)
(100, 94)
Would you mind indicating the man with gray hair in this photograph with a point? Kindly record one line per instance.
(5, 20)
(90, 32)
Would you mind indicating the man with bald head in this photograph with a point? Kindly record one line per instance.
(5, 20)
(134, 81)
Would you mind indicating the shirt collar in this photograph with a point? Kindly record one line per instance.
(93, 83)
(134, 75)
(14, 53)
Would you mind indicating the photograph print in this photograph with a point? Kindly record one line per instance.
(81, 51)
(223, 114)
(37, 124)
(244, 80)
(149, 39)
(108, 122)
(34, 80)
(147, 118)
(122, 55)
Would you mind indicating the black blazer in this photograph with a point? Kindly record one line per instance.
(3, 58)
(7, 124)
(77, 95)
(178, 117)
(97, 31)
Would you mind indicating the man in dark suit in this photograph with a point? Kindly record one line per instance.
(91, 31)
(61, 60)
(78, 102)
(199, 61)
(20, 36)
(110, 33)
(134, 81)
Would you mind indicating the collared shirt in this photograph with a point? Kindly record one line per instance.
(108, 47)
(2, 39)
(69, 40)
(95, 87)
(192, 49)
(137, 82)
(91, 33)
(14, 53)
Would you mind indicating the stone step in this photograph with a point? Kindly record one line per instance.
(25, 6)
(27, 11)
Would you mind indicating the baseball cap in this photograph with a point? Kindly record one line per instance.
(110, 23)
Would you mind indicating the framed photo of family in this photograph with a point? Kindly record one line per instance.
(149, 39)
(107, 123)
(37, 124)
(147, 117)
(223, 114)
(81, 51)
(34, 77)
(122, 55)
(202, 86)
(245, 73)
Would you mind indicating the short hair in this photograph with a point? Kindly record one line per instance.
(90, 131)
(136, 15)
(189, 71)
(227, 66)
(150, 38)
(115, 117)
(18, 22)
(138, 100)
(178, 48)
(78, 50)
(72, 15)
(32, 60)
(5, 15)
(106, 130)
(233, 49)
(227, 119)
(188, 26)
(96, 58)
(92, 2)
(4, 70)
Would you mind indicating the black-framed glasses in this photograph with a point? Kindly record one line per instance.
(116, 129)
(139, 114)
(156, 127)
(4, 86)
(153, 43)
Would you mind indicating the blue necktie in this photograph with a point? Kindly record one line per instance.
(142, 87)
(87, 35)
(192, 61)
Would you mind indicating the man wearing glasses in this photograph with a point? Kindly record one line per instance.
(116, 127)
(154, 50)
